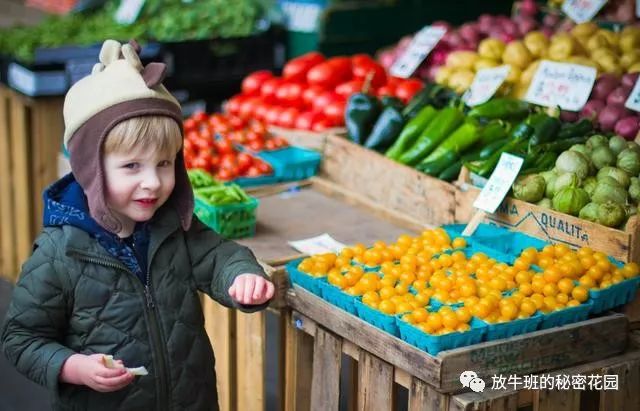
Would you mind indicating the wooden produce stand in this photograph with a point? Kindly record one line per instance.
(308, 139)
(31, 132)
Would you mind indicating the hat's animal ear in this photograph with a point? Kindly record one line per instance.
(97, 68)
(154, 73)
(110, 52)
(131, 56)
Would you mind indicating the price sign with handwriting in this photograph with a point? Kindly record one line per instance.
(582, 11)
(561, 85)
(485, 84)
(422, 44)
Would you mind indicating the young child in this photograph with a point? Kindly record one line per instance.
(118, 266)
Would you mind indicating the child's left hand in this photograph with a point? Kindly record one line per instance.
(251, 289)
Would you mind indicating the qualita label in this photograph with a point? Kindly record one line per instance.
(485, 84)
(563, 85)
(582, 11)
(422, 44)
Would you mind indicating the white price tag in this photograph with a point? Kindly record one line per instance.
(128, 11)
(581, 11)
(561, 84)
(302, 17)
(318, 245)
(485, 84)
(499, 183)
(633, 102)
(423, 42)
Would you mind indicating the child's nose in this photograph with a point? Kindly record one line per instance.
(151, 181)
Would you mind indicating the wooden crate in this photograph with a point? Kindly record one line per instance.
(545, 350)
(30, 137)
(303, 138)
(388, 183)
(551, 225)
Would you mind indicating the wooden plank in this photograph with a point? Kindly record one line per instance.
(21, 180)
(627, 394)
(383, 345)
(422, 397)
(632, 311)
(303, 138)
(388, 183)
(219, 323)
(325, 385)
(9, 264)
(298, 370)
(554, 226)
(550, 349)
(375, 388)
(556, 400)
(250, 361)
(280, 281)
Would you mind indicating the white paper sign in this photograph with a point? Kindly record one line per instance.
(499, 183)
(582, 11)
(563, 85)
(318, 245)
(423, 42)
(633, 102)
(302, 17)
(128, 11)
(485, 84)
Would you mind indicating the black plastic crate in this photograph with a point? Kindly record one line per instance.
(201, 63)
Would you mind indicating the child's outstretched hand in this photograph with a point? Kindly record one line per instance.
(90, 370)
(251, 289)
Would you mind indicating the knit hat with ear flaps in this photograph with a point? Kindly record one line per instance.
(118, 88)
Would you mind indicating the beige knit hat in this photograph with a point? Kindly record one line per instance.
(118, 88)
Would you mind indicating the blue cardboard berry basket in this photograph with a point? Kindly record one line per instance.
(292, 163)
(304, 280)
(498, 238)
(614, 296)
(566, 316)
(376, 318)
(433, 344)
(499, 331)
(337, 297)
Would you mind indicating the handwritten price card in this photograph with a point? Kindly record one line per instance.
(633, 102)
(561, 85)
(499, 183)
(419, 48)
(582, 11)
(485, 84)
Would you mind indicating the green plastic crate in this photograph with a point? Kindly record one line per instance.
(229, 220)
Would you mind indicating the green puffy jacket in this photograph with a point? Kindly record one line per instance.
(74, 297)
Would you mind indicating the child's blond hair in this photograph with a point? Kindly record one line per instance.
(158, 133)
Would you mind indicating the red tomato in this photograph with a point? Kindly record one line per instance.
(270, 144)
(236, 122)
(203, 143)
(334, 112)
(324, 99)
(252, 172)
(408, 88)
(254, 135)
(364, 66)
(261, 111)
(187, 145)
(233, 104)
(224, 174)
(252, 83)
(189, 125)
(228, 161)
(272, 115)
(280, 142)
(249, 106)
(290, 94)
(257, 145)
(192, 136)
(330, 73)
(244, 162)
(310, 94)
(321, 125)
(288, 117)
(200, 117)
(349, 88)
(201, 162)
(264, 168)
(305, 120)
(258, 127)
(214, 162)
(206, 134)
(296, 69)
(269, 88)
(224, 146)
(386, 90)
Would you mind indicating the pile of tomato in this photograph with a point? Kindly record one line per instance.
(313, 91)
(209, 144)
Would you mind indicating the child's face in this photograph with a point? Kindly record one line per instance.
(137, 184)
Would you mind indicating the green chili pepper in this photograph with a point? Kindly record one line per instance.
(386, 129)
(545, 128)
(451, 173)
(411, 131)
(559, 146)
(501, 108)
(360, 116)
(494, 130)
(435, 167)
(438, 129)
(491, 148)
(485, 167)
(541, 163)
(458, 141)
(577, 129)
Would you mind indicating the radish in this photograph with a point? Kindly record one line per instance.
(452, 39)
(568, 116)
(605, 84)
(529, 8)
(628, 127)
(609, 116)
(551, 20)
(469, 32)
(618, 96)
(591, 109)
(629, 80)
